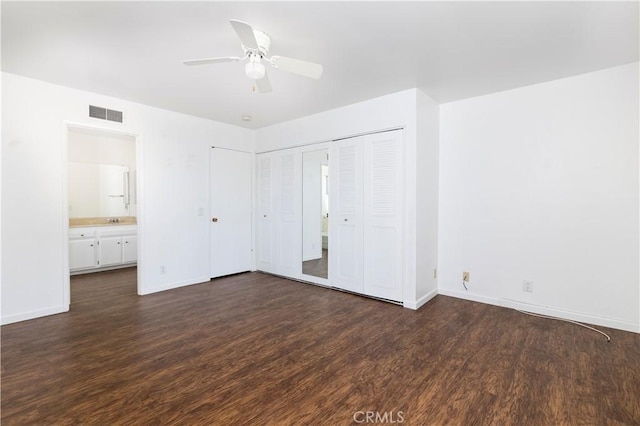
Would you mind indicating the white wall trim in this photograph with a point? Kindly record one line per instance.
(174, 284)
(328, 142)
(415, 305)
(66, 272)
(546, 310)
(35, 314)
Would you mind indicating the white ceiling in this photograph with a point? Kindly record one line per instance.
(452, 50)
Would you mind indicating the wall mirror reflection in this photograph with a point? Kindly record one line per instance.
(101, 171)
(315, 213)
(98, 190)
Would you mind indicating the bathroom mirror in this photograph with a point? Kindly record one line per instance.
(101, 174)
(99, 190)
(315, 213)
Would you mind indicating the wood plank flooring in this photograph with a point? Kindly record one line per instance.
(256, 349)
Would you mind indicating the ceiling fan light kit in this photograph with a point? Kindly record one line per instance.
(254, 69)
(256, 46)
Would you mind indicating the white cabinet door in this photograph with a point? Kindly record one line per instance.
(129, 248)
(230, 184)
(265, 238)
(382, 220)
(110, 251)
(346, 241)
(82, 254)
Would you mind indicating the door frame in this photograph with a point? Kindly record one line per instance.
(66, 128)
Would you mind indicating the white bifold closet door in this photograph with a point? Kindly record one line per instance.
(345, 201)
(279, 227)
(366, 245)
(383, 224)
(231, 220)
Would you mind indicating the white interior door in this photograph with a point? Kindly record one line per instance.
(266, 213)
(231, 227)
(383, 219)
(346, 240)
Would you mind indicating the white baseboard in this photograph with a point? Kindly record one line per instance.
(546, 310)
(415, 305)
(472, 297)
(35, 314)
(170, 286)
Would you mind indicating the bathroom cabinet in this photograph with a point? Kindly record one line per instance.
(93, 249)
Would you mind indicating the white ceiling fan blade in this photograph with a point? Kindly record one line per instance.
(296, 66)
(264, 85)
(245, 34)
(204, 61)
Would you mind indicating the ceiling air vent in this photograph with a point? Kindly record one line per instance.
(114, 115)
(97, 112)
(105, 114)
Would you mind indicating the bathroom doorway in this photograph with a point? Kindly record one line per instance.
(102, 194)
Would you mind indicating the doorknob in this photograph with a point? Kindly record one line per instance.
(214, 219)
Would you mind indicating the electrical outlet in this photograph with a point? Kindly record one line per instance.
(435, 273)
(465, 277)
(527, 286)
(163, 270)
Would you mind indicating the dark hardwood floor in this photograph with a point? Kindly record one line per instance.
(257, 349)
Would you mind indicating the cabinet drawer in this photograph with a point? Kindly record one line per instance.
(77, 233)
(117, 231)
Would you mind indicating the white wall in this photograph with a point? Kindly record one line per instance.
(385, 112)
(101, 148)
(541, 183)
(174, 152)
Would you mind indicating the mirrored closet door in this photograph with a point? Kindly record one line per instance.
(315, 213)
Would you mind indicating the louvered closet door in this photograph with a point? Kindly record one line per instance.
(383, 221)
(346, 240)
(266, 215)
(287, 206)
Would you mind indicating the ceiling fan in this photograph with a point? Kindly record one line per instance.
(256, 45)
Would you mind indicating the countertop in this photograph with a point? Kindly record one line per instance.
(101, 221)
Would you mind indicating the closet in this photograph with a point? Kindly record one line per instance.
(368, 223)
(366, 220)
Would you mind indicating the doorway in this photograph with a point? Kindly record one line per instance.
(101, 195)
